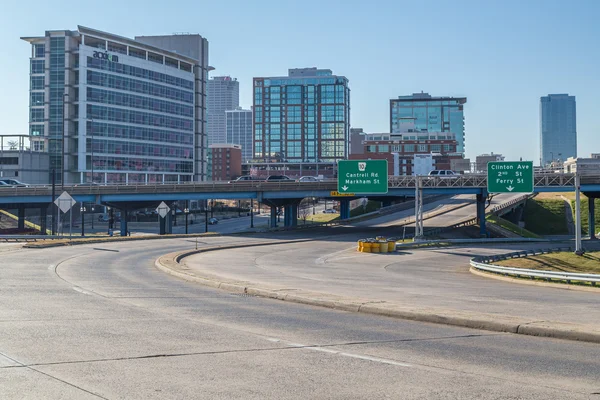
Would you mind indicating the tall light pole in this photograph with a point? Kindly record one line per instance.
(64, 127)
(92, 144)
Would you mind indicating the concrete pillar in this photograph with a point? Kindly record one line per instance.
(591, 218)
(273, 223)
(124, 218)
(21, 217)
(481, 198)
(43, 218)
(344, 209)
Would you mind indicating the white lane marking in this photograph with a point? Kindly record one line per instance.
(75, 288)
(343, 354)
(326, 257)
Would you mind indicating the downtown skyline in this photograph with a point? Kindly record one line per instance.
(502, 71)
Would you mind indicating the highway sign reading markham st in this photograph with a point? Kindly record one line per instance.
(510, 177)
(363, 176)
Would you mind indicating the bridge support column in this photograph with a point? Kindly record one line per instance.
(290, 217)
(273, 217)
(124, 218)
(21, 217)
(43, 217)
(481, 199)
(344, 209)
(591, 216)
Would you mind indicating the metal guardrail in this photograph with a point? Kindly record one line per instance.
(484, 264)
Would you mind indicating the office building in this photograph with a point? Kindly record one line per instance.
(558, 128)
(238, 127)
(423, 113)
(112, 109)
(400, 149)
(226, 160)
(357, 137)
(301, 122)
(223, 95)
(482, 160)
(21, 161)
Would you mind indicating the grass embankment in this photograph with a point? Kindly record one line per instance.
(509, 226)
(584, 213)
(589, 263)
(321, 218)
(355, 212)
(546, 216)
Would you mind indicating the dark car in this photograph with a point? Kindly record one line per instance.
(278, 178)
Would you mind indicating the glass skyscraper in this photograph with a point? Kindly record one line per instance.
(301, 118)
(238, 127)
(558, 128)
(421, 112)
(112, 109)
(223, 95)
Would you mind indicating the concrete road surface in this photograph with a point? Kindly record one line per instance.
(101, 322)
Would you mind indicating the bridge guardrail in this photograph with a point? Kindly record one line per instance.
(483, 263)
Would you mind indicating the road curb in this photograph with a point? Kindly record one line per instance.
(171, 264)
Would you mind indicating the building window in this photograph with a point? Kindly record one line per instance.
(37, 83)
(422, 148)
(37, 115)
(372, 149)
(36, 99)
(37, 66)
(436, 148)
(384, 148)
(39, 50)
(409, 148)
(36, 130)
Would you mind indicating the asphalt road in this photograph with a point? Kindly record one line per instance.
(100, 321)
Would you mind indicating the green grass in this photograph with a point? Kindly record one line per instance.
(509, 226)
(360, 210)
(320, 218)
(589, 263)
(545, 216)
(584, 213)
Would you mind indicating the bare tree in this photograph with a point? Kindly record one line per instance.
(12, 144)
(303, 215)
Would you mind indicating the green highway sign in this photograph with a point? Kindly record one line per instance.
(363, 176)
(510, 177)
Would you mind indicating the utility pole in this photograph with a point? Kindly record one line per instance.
(578, 249)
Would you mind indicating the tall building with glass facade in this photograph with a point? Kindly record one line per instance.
(302, 121)
(112, 109)
(223, 95)
(238, 127)
(558, 128)
(424, 113)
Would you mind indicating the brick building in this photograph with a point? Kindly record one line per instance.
(225, 161)
(400, 148)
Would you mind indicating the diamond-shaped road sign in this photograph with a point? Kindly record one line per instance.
(65, 202)
(163, 209)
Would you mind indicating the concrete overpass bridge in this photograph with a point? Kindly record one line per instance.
(127, 198)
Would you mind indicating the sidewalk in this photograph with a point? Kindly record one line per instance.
(424, 285)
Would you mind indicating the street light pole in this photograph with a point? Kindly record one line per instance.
(251, 213)
(186, 211)
(64, 126)
(82, 209)
(206, 217)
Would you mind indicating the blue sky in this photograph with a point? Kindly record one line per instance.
(501, 55)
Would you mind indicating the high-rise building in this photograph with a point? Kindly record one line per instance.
(113, 109)
(420, 112)
(226, 160)
(223, 95)
(558, 128)
(238, 126)
(302, 121)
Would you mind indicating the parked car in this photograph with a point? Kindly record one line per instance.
(213, 221)
(444, 173)
(277, 178)
(13, 182)
(329, 211)
(88, 184)
(308, 179)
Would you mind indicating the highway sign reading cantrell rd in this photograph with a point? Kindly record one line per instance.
(363, 176)
(510, 177)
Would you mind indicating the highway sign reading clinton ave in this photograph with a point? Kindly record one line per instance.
(363, 176)
(510, 177)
